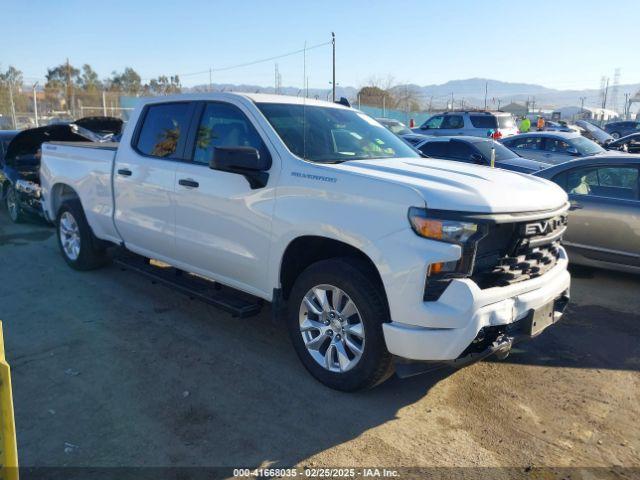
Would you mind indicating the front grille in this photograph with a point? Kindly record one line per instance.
(514, 252)
(506, 253)
(530, 263)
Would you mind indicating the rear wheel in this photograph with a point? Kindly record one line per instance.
(80, 248)
(335, 323)
(12, 202)
(615, 135)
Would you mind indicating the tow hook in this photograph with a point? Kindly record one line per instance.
(502, 346)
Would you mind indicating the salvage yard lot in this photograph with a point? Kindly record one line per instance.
(112, 370)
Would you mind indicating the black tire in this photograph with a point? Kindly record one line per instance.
(354, 278)
(615, 135)
(12, 203)
(92, 252)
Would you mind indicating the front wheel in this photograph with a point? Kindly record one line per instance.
(335, 322)
(12, 202)
(80, 248)
(615, 135)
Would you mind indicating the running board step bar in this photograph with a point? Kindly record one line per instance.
(236, 303)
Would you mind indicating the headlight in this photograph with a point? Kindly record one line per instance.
(450, 231)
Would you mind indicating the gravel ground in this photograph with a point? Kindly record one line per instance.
(112, 370)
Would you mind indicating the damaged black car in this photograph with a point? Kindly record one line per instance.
(19, 170)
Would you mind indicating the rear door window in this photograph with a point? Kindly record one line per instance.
(484, 121)
(435, 149)
(452, 122)
(556, 145)
(527, 143)
(164, 130)
(461, 151)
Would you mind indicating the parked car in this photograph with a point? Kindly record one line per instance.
(376, 252)
(401, 130)
(472, 123)
(594, 133)
(552, 147)
(477, 150)
(622, 129)
(394, 126)
(19, 180)
(551, 126)
(5, 137)
(604, 221)
(629, 144)
(103, 126)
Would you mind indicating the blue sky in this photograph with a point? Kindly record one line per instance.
(563, 44)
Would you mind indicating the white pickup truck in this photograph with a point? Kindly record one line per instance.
(377, 257)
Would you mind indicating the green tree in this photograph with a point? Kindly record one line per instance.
(61, 82)
(164, 85)
(89, 80)
(126, 82)
(10, 79)
(12, 76)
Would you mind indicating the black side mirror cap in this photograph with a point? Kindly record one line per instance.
(245, 161)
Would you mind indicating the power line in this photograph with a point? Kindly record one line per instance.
(255, 62)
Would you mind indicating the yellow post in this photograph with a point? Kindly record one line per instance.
(8, 449)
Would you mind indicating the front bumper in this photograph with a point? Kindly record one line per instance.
(468, 309)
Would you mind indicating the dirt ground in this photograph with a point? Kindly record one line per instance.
(112, 370)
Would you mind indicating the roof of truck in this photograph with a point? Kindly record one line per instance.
(254, 97)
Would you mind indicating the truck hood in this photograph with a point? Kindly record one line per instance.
(461, 187)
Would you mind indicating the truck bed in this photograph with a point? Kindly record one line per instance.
(88, 168)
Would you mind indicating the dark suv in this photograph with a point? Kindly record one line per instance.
(622, 129)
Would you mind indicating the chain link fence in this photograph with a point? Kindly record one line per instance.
(30, 106)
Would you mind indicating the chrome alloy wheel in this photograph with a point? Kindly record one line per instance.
(331, 328)
(69, 236)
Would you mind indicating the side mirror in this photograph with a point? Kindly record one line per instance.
(244, 161)
(477, 159)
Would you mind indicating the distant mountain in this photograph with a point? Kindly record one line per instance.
(471, 90)
(322, 94)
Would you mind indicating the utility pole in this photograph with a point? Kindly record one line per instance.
(486, 87)
(533, 104)
(68, 80)
(627, 106)
(604, 96)
(333, 83)
(35, 104)
(104, 103)
(451, 100)
(210, 83)
(13, 106)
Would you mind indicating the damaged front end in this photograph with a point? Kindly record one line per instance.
(494, 340)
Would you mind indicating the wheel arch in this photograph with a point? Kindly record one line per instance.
(306, 250)
(60, 193)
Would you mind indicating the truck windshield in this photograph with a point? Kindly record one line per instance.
(329, 135)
